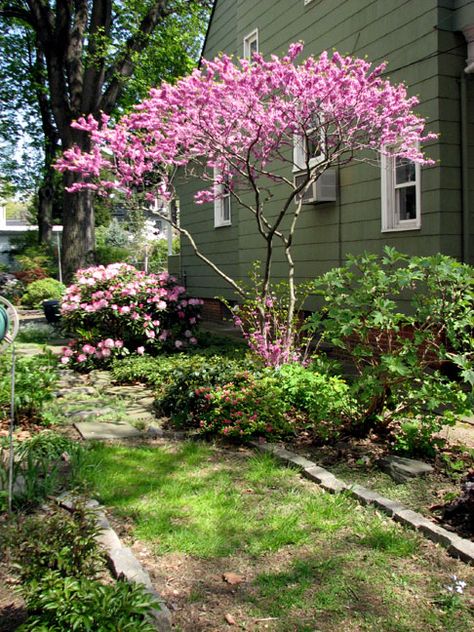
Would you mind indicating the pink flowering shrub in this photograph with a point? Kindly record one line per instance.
(117, 309)
(247, 406)
(87, 356)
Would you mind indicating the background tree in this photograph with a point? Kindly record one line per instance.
(234, 126)
(85, 53)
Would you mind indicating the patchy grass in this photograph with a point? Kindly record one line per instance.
(418, 494)
(309, 560)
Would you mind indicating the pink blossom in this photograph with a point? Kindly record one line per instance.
(65, 359)
(109, 343)
(178, 344)
(81, 357)
(118, 344)
(88, 349)
(140, 350)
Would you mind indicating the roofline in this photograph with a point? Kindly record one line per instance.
(207, 33)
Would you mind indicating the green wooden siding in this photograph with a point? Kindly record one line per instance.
(428, 59)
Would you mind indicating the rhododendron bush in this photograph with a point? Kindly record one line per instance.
(116, 310)
(234, 125)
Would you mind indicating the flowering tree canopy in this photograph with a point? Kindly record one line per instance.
(235, 125)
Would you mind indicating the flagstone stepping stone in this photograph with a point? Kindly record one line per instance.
(146, 402)
(93, 412)
(402, 469)
(106, 431)
(76, 390)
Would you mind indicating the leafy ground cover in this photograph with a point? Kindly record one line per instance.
(234, 537)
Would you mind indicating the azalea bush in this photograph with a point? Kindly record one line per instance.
(248, 406)
(177, 395)
(116, 309)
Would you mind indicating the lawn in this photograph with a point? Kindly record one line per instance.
(303, 559)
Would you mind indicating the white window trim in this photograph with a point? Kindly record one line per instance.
(219, 201)
(390, 214)
(300, 151)
(248, 40)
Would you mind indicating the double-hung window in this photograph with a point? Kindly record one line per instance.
(251, 44)
(308, 148)
(222, 204)
(401, 194)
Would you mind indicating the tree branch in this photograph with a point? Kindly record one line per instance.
(124, 65)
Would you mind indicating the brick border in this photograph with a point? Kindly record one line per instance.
(120, 559)
(456, 546)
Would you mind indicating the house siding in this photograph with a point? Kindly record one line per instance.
(411, 36)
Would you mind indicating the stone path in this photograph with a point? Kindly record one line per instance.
(100, 410)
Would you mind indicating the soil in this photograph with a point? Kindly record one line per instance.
(12, 607)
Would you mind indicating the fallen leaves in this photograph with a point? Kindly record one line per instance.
(232, 578)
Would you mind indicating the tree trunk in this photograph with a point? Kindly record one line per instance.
(78, 230)
(45, 211)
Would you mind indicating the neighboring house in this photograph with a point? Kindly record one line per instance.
(11, 228)
(429, 45)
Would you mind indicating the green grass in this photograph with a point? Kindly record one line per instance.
(316, 561)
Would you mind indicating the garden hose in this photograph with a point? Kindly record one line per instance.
(4, 322)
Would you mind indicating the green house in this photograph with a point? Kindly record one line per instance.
(429, 45)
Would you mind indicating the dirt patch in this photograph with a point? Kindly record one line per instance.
(12, 606)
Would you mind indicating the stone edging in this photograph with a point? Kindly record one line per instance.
(455, 545)
(121, 561)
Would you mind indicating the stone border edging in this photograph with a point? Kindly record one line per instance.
(121, 561)
(455, 545)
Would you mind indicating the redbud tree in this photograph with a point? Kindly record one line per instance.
(234, 126)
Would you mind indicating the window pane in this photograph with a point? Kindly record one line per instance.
(226, 209)
(406, 202)
(405, 171)
(253, 46)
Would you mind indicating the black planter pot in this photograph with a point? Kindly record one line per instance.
(51, 309)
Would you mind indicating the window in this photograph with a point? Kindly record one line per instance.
(222, 209)
(401, 195)
(251, 44)
(312, 146)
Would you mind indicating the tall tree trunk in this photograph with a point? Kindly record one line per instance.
(45, 210)
(78, 243)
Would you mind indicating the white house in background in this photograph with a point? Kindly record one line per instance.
(11, 228)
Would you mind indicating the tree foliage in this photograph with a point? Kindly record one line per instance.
(81, 59)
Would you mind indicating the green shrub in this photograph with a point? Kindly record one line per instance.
(326, 399)
(62, 542)
(398, 353)
(247, 406)
(35, 380)
(61, 603)
(41, 290)
(177, 396)
(106, 254)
